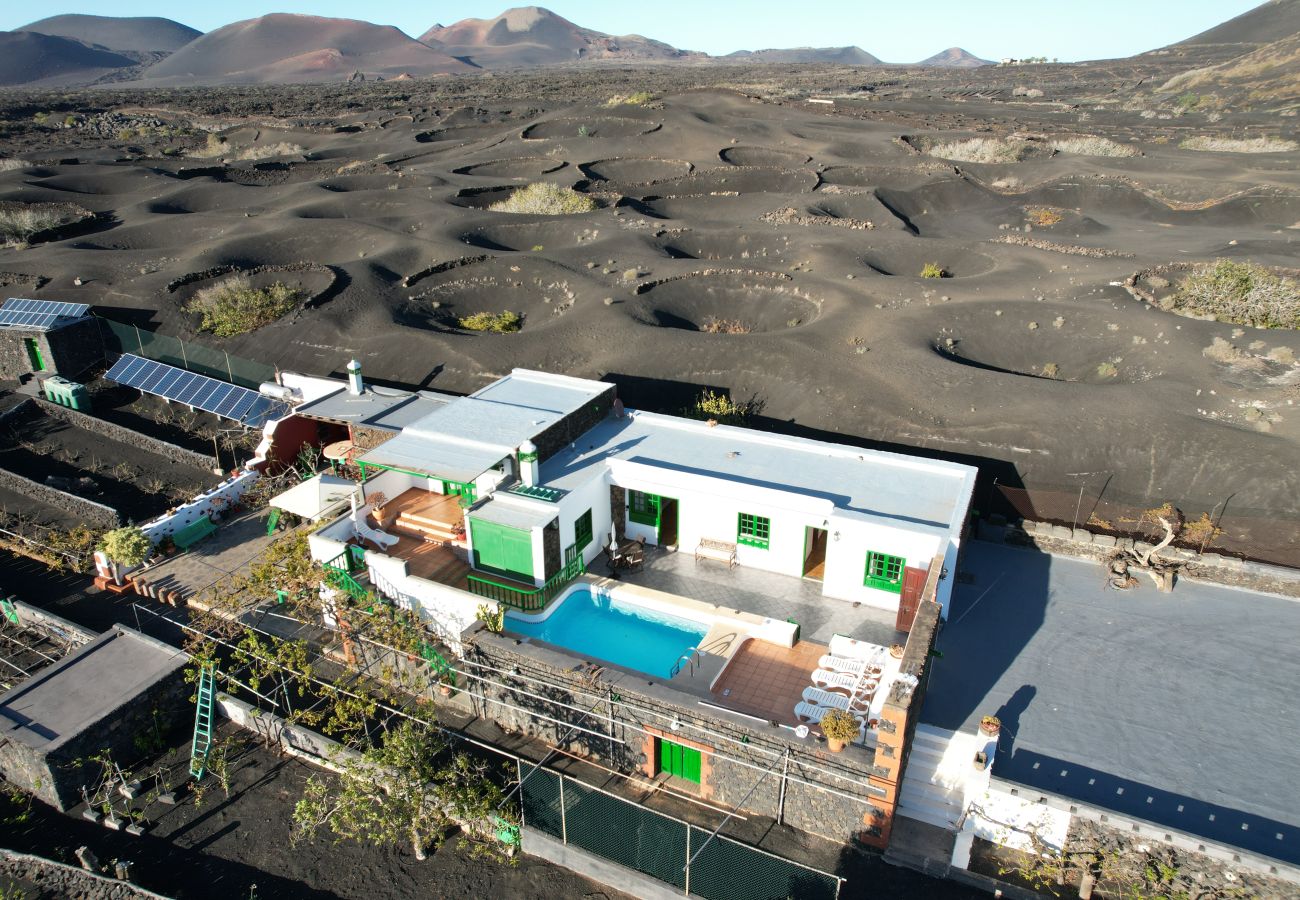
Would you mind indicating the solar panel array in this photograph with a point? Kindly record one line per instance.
(230, 401)
(42, 314)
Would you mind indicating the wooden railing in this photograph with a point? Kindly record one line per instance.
(523, 598)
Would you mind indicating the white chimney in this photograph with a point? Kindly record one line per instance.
(355, 386)
(528, 463)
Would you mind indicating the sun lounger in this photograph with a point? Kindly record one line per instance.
(830, 699)
(842, 664)
(829, 678)
(810, 711)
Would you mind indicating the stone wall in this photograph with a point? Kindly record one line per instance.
(58, 880)
(68, 351)
(96, 515)
(1211, 567)
(127, 436)
(364, 438)
(573, 426)
(618, 510)
(551, 561)
(826, 794)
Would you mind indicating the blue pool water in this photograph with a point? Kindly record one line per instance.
(615, 630)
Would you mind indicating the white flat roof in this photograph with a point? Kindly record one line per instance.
(315, 496)
(505, 509)
(868, 484)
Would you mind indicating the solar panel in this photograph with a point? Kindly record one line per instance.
(198, 391)
(21, 319)
(50, 307)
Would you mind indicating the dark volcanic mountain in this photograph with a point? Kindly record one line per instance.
(955, 58)
(1269, 22)
(282, 48)
(136, 35)
(29, 58)
(533, 36)
(847, 56)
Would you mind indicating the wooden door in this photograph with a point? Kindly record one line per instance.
(909, 600)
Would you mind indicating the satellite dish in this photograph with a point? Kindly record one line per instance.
(801, 731)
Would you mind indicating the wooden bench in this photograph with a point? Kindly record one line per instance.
(722, 551)
(191, 534)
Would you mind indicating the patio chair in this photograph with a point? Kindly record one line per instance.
(829, 678)
(829, 699)
(814, 714)
(843, 664)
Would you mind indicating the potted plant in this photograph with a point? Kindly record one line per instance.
(127, 546)
(840, 728)
(990, 726)
(896, 651)
(444, 684)
(377, 501)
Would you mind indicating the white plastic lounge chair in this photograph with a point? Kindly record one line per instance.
(829, 678)
(829, 699)
(842, 664)
(810, 711)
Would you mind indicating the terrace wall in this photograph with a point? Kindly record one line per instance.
(96, 515)
(128, 436)
(571, 427)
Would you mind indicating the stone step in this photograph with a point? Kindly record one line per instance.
(940, 816)
(423, 529)
(929, 792)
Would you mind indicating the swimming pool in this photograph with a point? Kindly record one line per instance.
(615, 629)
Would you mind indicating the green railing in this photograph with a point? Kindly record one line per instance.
(522, 598)
(437, 663)
(339, 576)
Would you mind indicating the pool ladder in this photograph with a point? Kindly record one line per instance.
(691, 657)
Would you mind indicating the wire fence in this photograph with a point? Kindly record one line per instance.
(661, 846)
(124, 338)
(1257, 535)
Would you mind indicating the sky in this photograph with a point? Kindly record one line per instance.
(894, 30)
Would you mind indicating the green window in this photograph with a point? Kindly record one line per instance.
(885, 572)
(582, 530)
(503, 550)
(643, 508)
(680, 761)
(34, 354)
(754, 531)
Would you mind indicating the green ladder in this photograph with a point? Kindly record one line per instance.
(203, 723)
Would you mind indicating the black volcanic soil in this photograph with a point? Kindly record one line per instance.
(827, 214)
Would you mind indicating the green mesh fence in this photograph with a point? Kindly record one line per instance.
(204, 360)
(659, 846)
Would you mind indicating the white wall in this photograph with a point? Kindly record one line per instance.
(445, 609)
(593, 495)
(229, 492)
(393, 484)
(846, 558)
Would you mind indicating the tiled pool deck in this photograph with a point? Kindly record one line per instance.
(763, 594)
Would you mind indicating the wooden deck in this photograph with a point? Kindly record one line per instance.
(431, 561)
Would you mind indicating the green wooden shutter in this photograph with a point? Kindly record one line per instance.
(680, 761)
(502, 549)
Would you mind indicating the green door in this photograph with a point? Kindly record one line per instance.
(502, 549)
(680, 761)
(34, 354)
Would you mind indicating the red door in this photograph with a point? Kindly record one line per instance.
(910, 598)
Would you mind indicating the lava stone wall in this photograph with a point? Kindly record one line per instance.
(573, 426)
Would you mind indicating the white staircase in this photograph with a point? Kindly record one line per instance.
(941, 775)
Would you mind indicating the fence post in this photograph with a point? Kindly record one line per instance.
(687, 870)
(139, 342)
(229, 370)
(185, 359)
(519, 773)
(785, 774)
(564, 825)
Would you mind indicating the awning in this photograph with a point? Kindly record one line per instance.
(316, 497)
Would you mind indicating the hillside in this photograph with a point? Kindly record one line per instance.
(29, 58)
(955, 58)
(1268, 74)
(847, 56)
(136, 35)
(533, 36)
(284, 48)
(1263, 24)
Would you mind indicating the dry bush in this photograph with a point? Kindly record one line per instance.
(269, 151)
(714, 325)
(19, 223)
(986, 150)
(640, 98)
(9, 165)
(1239, 292)
(234, 306)
(1223, 352)
(1092, 145)
(1239, 145)
(1043, 216)
(545, 199)
(504, 322)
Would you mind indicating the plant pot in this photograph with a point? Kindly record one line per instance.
(835, 746)
(444, 689)
(990, 728)
(896, 651)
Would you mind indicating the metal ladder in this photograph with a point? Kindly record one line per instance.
(202, 722)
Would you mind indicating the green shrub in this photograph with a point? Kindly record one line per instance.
(41, 118)
(545, 199)
(504, 322)
(128, 546)
(933, 270)
(718, 408)
(235, 307)
(1239, 292)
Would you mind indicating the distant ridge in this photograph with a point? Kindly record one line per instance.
(285, 48)
(850, 56)
(955, 58)
(534, 36)
(27, 57)
(136, 35)
(1264, 24)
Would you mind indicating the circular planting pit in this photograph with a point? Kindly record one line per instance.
(462, 134)
(1048, 341)
(636, 170)
(910, 258)
(763, 156)
(1274, 289)
(747, 180)
(724, 303)
(316, 282)
(533, 290)
(595, 127)
(550, 234)
(520, 167)
(728, 245)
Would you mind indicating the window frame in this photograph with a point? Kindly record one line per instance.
(884, 562)
(582, 536)
(644, 508)
(758, 534)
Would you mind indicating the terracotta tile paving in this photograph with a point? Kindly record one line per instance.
(765, 680)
